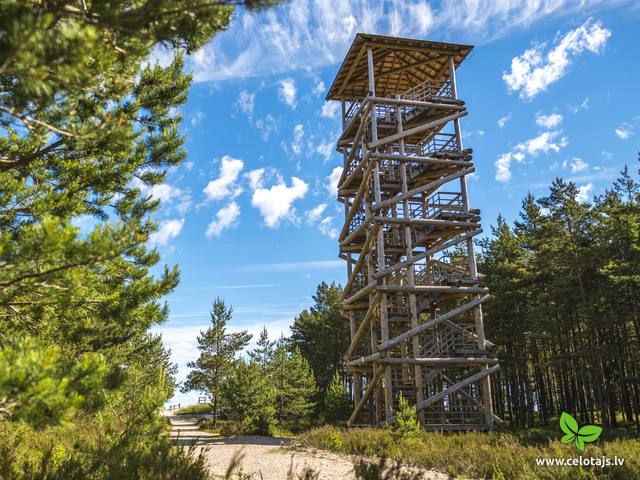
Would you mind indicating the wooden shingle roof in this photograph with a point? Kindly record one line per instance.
(399, 64)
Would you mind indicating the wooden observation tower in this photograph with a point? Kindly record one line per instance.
(413, 296)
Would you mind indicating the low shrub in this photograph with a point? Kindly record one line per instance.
(197, 409)
(502, 455)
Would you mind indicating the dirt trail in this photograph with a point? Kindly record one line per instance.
(264, 457)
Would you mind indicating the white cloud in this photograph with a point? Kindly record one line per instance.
(266, 125)
(325, 149)
(298, 135)
(285, 38)
(167, 194)
(624, 131)
(584, 193)
(287, 92)
(584, 105)
(330, 110)
(222, 186)
(325, 225)
(255, 178)
(293, 266)
(246, 102)
(549, 121)
(197, 117)
(319, 88)
(327, 228)
(276, 203)
(332, 181)
(502, 121)
(543, 143)
(578, 165)
(167, 230)
(315, 213)
(225, 219)
(536, 69)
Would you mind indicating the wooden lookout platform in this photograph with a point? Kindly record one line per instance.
(413, 296)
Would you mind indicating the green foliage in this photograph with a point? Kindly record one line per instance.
(248, 398)
(406, 424)
(322, 334)
(337, 404)
(217, 355)
(87, 128)
(264, 350)
(564, 314)
(294, 387)
(40, 387)
(508, 455)
(199, 409)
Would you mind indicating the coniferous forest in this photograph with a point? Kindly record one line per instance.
(565, 314)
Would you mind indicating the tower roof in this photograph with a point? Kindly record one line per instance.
(399, 64)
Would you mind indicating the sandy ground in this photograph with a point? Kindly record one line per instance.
(265, 458)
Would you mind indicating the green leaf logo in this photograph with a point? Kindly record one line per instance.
(574, 433)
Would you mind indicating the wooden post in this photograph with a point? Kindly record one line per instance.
(471, 257)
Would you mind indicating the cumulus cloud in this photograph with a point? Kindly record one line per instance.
(167, 194)
(544, 143)
(226, 218)
(538, 67)
(327, 228)
(549, 121)
(287, 92)
(167, 230)
(332, 181)
(578, 165)
(324, 224)
(502, 121)
(276, 203)
(223, 186)
(584, 193)
(315, 213)
(624, 131)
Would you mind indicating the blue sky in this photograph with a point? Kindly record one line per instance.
(551, 89)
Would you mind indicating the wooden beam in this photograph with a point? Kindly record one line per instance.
(432, 323)
(418, 103)
(418, 129)
(452, 389)
(367, 395)
(426, 253)
(429, 187)
(355, 339)
(358, 264)
(441, 361)
(361, 293)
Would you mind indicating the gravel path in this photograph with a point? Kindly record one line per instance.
(265, 458)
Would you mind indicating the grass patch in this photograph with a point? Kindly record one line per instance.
(197, 409)
(501, 455)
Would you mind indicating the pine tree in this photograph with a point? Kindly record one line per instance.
(322, 334)
(295, 388)
(248, 398)
(337, 404)
(217, 355)
(263, 352)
